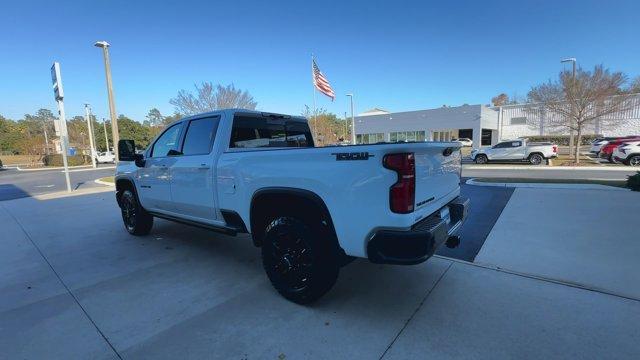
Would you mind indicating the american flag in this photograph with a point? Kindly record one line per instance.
(321, 83)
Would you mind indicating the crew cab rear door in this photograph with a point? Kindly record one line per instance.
(192, 174)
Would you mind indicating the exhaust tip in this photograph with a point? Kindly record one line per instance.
(453, 242)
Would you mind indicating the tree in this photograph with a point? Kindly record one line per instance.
(575, 103)
(10, 135)
(325, 126)
(208, 97)
(500, 100)
(634, 87)
(133, 130)
(154, 118)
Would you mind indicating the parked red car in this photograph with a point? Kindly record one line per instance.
(607, 151)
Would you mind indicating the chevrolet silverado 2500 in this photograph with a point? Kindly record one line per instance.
(310, 209)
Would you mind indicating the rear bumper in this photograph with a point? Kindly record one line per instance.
(421, 241)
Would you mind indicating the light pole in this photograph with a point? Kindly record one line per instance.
(106, 137)
(87, 112)
(353, 123)
(573, 84)
(112, 106)
(346, 127)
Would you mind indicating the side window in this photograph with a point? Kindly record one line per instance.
(502, 145)
(516, 144)
(167, 141)
(200, 136)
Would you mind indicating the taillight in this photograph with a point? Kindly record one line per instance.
(555, 148)
(402, 194)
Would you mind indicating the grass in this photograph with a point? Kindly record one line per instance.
(108, 179)
(616, 183)
(568, 160)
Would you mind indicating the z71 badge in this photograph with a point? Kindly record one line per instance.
(352, 156)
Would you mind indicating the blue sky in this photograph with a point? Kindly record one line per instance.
(397, 55)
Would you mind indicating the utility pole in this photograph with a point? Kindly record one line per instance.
(573, 85)
(106, 137)
(353, 123)
(46, 138)
(62, 122)
(112, 106)
(90, 130)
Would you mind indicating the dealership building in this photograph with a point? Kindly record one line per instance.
(485, 125)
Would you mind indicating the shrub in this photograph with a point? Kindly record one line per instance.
(56, 160)
(633, 182)
(562, 139)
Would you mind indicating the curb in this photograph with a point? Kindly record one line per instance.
(547, 185)
(551, 168)
(53, 168)
(98, 181)
(63, 194)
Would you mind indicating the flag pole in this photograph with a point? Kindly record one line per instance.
(315, 114)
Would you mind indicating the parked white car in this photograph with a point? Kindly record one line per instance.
(597, 145)
(464, 141)
(310, 209)
(515, 150)
(628, 153)
(105, 157)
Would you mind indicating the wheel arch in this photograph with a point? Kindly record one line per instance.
(268, 201)
(122, 184)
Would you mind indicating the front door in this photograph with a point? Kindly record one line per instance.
(193, 174)
(155, 176)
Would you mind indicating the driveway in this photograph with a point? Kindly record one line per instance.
(76, 285)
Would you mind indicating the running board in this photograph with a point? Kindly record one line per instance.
(227, 230)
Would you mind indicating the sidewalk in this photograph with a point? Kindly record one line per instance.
(583, 237)
(78, 286)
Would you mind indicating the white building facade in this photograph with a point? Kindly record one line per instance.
(528, 120)
(483, 124)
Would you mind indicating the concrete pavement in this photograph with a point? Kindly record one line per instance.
(78, 286)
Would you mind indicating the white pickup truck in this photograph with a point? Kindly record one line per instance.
(311, 210)
(515, 150)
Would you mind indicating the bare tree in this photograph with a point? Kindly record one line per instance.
(634, 87)
(574, 103)
(208, 97)
(500, 99)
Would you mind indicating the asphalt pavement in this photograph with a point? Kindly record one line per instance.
(486, 206)
(16, 184)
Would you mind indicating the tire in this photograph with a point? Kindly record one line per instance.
(535, 159)
(481, 159)
(299, 260)
(610, 159)
(136, 219)
(634, 160)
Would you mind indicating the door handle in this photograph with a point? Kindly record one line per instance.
(203, 167)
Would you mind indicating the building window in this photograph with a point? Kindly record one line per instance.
(518, 121)
(369, 138)
(403, 136)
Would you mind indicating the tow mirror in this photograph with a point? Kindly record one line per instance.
(127, 152)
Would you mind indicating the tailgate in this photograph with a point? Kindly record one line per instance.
(437, 174)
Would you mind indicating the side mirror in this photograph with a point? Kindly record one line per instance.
(127, 152)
